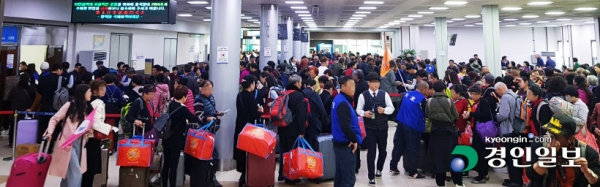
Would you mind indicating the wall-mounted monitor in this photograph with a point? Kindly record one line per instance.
(124, 11)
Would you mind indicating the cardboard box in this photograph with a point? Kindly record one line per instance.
(24, 149)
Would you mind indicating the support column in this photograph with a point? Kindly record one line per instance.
(405, 37)
(491, 39)
(297, 42)
(268, 34)
(415, 39)
(397, 43)
(305, 45)
(597, 35)
(226, 38)
(441, 45)
(287, 46)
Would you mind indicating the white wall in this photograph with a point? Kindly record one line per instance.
(516, 43)
(582, 42)
(52, 10)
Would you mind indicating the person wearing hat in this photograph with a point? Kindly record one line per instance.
(561, 130)
(374, 105)
(44, 67)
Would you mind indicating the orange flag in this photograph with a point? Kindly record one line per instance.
(387, 56)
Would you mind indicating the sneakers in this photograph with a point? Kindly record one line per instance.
(395, 171)
(456, 185)
(480, 181)
(372, 182)
(377, 173)
(417, 176)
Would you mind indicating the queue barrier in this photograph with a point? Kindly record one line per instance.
(16, 113)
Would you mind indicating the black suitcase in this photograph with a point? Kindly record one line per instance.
(133, 177)
(201, 172)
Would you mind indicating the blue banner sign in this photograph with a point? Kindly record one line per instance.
(10, 34)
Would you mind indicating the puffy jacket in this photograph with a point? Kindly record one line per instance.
(441, 108)
(159, 100)
(189, 103)
(388, 84)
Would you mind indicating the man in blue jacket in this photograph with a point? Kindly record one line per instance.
(411, 123)
(346, 134)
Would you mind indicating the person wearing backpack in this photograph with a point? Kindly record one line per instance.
(47, 88)
(318, 116)
(561, 130)
(507, 118)
(540, 113)
(289, 133)
(141, 113)
(162, 96)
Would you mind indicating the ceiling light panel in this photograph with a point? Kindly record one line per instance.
(407, 19)
(374, 2)
(306, 18)
(207, 20)
(510, 25)
(589, 22)
(208, 7)
(253, 20)
(359, 15)
(539, 3)
(524, 23)
(197, 2)
(564, 19)
(531, 16)
(184, 15)
(428, 25)
(415, 16)
(510, 19)
(458, 19)
(298, 7)
(586, 9)
(246, 17)
(511, 8)
(456, 3)
(555, 13)
(478, 23)
(425, 12)
(542, 22)
(294, 2)
(472, 16)
(302, 12)
(469, 25)
(304, 15)
(363, 12)
(355, 18)
(449, 21)
(438, 8)
(367, 8)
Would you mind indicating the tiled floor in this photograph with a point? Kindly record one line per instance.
(229, 178)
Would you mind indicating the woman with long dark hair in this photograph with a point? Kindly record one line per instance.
(69, 163)
(585, 94)
(248, 111)
(25, 94)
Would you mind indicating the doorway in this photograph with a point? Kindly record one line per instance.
(120, 50)
(170, 53)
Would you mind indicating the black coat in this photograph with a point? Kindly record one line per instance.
(247, 112)
(361, 86)
(299, 109)
(179, 124)
(142, 114)
(319, 116)
(46, 88)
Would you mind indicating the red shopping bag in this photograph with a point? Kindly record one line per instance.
(135, 153)
(200, 143)
(302, 162)
(257, 140)
(361, 124)
(465, 138)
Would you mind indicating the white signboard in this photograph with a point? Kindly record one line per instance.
(10, 58)
(223, 55)
(285, 48)
(267, 51)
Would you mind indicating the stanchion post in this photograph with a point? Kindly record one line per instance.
(14, 142)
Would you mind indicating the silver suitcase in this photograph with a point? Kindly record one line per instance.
(101, 179)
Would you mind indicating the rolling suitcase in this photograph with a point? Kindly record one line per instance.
(31, 169)
(201, 172)
(180, 169)
(101, 179)
(27, 131)
(133, 177)
(260, 172)
(326, 147)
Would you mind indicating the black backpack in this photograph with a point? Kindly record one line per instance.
(163, 125)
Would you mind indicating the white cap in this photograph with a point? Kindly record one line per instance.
(45, 66)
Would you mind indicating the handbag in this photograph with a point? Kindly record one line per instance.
(487, 129)
(257, 140)
(200, 143)
(302, 162)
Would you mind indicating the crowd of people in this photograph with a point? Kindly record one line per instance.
(327, 94)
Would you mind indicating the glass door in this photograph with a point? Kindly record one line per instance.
(120, 50)
(170, 53)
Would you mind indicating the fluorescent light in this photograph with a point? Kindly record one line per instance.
(586, 9)
(564, 19)
(253, 20)
(589, 22)
(542, 22)
(207, 20)
(407, 19)
(304, 15)
(472, 16)
(469, 25)
(197, 2)
(449, 21)
(184, 15)
(428, 25)
(302, 12)
(539, 3)
(510, 25)
(438, 8)
(478, 23)
(555, 13)
(374, 2)
(363, 12)
(306, 18)
(415, 16)
(511, 8)
(298, 7)
(531, 16)
(456, 3)
(524, 23)
(424, 12)
(208, 7)
(355, 18)
(367, 8)
(294, 2)
(246, 17)
(399, 21)
(359, 15)
(511, 19)
(458, 19)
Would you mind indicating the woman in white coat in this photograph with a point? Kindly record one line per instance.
(94, 146)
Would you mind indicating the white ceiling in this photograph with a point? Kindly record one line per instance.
(335, 13)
